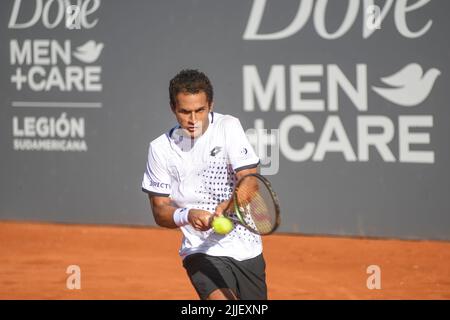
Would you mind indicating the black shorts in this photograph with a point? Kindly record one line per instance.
(246, 278)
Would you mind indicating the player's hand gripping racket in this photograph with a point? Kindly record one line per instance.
(254, 205)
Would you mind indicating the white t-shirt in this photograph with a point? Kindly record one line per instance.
(200, 174)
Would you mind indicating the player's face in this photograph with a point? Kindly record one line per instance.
(191, 111)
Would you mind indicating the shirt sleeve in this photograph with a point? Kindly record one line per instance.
(156, 180)
(239, 150)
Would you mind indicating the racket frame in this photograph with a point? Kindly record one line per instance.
(240, 214)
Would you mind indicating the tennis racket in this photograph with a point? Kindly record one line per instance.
(254, 205)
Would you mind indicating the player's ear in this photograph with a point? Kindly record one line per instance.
(211, 106)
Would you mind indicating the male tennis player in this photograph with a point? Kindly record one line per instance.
(190, 175)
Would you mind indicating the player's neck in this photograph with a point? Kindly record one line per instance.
(203, 131)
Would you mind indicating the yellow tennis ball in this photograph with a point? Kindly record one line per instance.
(222, 225)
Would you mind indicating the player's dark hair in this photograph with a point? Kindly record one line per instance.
(190, 81)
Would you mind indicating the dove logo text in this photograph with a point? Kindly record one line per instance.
(375, 133)
(52, 13)
(410, 87)
(304, 82)
(42, 52)
(319, 9)
(34, 56)
(333, 139)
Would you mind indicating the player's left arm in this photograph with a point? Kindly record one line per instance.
(239, 174)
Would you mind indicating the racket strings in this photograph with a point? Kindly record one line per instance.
(258, 213)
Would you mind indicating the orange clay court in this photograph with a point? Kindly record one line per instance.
(143, 263)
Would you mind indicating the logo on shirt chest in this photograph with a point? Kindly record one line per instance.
(214, 151)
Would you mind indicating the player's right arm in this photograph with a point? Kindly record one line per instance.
(163, 210)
